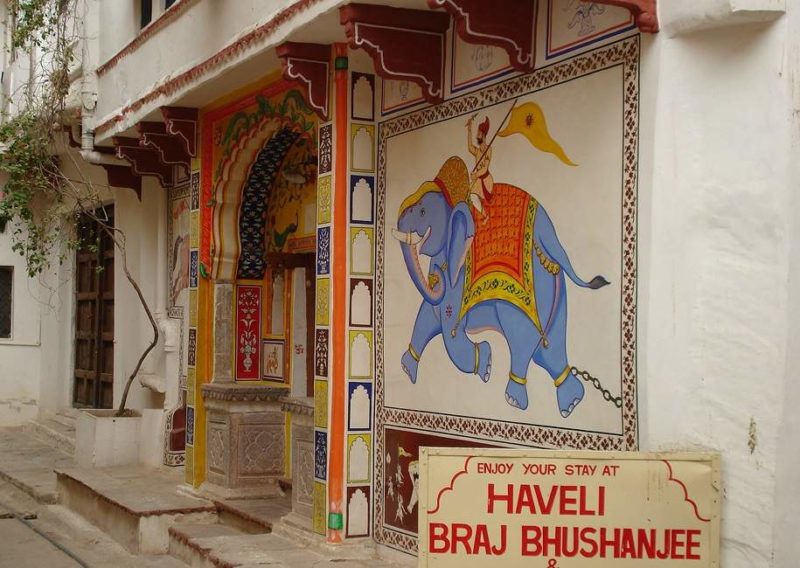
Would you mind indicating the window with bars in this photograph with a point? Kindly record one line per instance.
(6, 285)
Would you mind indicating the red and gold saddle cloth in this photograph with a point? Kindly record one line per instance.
(498, 264)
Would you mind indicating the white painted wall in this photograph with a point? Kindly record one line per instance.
(719, 237)
(205, 28)
(20, 355)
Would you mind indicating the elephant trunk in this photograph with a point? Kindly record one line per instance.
(432, 293)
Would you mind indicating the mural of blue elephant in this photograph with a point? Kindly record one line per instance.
(499, 268)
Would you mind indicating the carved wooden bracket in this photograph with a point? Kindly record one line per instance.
(644, 12)
(404, 44)
(182, 122)
(172, 148)
(145, 161)
(309, 65)
(507, 24)
(123, 176)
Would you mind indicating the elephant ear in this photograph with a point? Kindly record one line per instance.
(460, 231)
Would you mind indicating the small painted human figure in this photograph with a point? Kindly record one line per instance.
(481, 181)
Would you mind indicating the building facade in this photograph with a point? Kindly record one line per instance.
(367, 228)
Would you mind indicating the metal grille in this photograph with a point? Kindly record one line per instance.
(6, 279)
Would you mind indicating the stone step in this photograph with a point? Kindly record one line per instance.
(67, 417)
(56, 430)
(253, 516)
(28, 463)
(228, 550)
(185, 541)
(134, 505)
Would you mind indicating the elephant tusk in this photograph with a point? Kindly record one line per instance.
(407, 238)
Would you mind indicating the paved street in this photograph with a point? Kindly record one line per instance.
(22, 547)
(68, 540)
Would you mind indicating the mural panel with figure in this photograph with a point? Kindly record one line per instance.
(514, 237)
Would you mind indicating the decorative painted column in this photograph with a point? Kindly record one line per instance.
(338, 303)
(344, 353)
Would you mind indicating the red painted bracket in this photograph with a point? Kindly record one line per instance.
(407, 45)
(171, 147)
(308, 64)
(644, 12)
(182, 122)
(144, 161)
(507, 24)
(123, 176)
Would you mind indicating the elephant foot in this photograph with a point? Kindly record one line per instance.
(484, 367)
(516, 394)
(410, 365)
(569, 392)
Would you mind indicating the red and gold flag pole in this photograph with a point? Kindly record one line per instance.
(496, 132)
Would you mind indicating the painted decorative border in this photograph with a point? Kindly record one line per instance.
(176, 193)
(623, 53)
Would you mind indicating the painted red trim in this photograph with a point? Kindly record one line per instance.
(169, 15)
(308, 65)
(207, 166)
(685, 493)
(444, 490)
(407, 45)
(644, 12)
(206, 177)
(227, 53)
(507, 24)
(338, 388)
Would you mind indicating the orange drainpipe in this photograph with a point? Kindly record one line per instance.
(336, 445)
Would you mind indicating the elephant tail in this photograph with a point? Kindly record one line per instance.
(546, 234)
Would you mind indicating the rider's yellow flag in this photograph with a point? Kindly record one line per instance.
(528, 120)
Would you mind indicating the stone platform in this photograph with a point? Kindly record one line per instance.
(134, 505)
(28, 463)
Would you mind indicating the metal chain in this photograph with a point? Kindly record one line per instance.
(617, 401)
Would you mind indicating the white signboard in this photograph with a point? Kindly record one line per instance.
(498, 508)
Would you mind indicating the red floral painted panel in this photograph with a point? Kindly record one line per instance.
(248, 333)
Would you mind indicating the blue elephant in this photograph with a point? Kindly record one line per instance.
(437, 222)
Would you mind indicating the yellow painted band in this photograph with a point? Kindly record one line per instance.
(413, 353)
(562, 377)
(477, 358)
(516, 379)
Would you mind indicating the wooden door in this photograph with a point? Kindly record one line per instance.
(94, 317)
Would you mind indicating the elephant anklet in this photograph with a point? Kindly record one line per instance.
(518, 380)
(562, 377)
